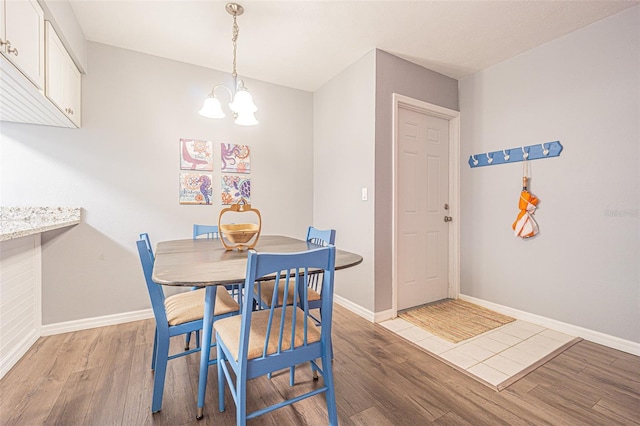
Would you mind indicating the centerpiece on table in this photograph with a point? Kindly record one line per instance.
(241, 236)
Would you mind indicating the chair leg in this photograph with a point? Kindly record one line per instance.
(241, 396)
(292, 375)
(154, 354)
(330, 342)
(187, 339)
(221, 377)
(327, 375)
(160, 373)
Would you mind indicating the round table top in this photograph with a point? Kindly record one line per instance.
(204, 262)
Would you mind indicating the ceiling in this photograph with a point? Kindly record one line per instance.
(303, 44)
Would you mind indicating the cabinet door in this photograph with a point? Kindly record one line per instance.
(72, 86)
(55, 60)
(2, 26)
(24, 29)
(63, 80)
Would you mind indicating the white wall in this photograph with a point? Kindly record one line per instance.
(344, 136)
(122, 167)
(583, 268)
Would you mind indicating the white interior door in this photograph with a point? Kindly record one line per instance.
(422, 192)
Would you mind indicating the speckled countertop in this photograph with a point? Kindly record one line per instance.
(18, 222)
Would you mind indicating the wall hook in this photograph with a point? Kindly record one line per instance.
(489, 158)
(506, 156)
(545, 151)
(475, 160)
(525, 154)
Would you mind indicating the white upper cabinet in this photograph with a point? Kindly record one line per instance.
(39, 82)
(22, 37)
(63, 80)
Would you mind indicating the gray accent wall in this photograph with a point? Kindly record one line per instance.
(584, 267)
(396, 75)
(122, 167)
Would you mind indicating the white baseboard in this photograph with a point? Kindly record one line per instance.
(17, 352)
(384, 315)
(570, 329)
(353, 307)
(364, 313)
(87, 323)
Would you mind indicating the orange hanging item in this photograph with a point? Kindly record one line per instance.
(525, 226)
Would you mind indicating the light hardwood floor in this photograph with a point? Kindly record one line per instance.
(102, 377)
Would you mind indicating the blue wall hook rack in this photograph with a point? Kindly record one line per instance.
(514, 155)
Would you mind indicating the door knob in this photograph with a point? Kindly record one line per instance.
(448, 218)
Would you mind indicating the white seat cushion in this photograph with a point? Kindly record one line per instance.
(229, 330)
(266, 293)
(189, 306)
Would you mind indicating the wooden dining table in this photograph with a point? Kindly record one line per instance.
(206, 263)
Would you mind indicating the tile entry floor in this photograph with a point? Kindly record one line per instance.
(496, 357)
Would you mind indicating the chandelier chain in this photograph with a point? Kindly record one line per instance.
(234, 39)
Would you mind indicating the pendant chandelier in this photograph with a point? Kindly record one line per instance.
(241, 103)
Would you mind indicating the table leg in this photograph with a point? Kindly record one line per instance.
(207, 331)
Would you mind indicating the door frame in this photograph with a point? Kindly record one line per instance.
(453, 117)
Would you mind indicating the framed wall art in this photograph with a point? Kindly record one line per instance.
(235, 188)
(196, 155)
(195, 188)
(235, 158)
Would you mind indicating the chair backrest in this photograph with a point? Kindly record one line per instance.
(155, 290)
(144, 236)
(321, 237)
(211, 231)
(290, 269)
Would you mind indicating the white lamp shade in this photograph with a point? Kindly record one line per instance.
(246, 119)
(243, 103)
(211, 108)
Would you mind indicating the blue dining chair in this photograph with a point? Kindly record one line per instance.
(147, 240)
(211, 231)
(175, 315)
(314, 294)
(281, 335)
(321, 238)
(265, 289)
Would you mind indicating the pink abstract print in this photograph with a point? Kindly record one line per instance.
(196, 155)
(234, 188)
(195, 188)
(235, 158)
